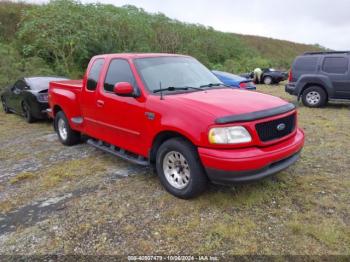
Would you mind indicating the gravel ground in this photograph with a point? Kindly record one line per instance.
(78, 200)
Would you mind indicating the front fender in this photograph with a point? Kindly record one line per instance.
(193, 132)
(29, 98)
(188, 135)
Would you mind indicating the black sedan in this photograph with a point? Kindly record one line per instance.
(269, 76)
(28, 97)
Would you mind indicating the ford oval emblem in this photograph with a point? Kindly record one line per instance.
(281, 127)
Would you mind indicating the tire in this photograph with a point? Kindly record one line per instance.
(314, 96)
(26, 113)
(180, 156)
(66, 134)
(4, 106)
(268, 80)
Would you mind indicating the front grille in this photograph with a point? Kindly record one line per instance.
(272, 130)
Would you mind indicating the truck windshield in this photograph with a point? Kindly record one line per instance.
(174, 71)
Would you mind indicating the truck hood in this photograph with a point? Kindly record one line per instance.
(225, 102)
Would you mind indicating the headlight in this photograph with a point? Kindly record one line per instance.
(229, 135)
(44, 97)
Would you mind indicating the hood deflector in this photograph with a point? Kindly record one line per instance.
(256, 115)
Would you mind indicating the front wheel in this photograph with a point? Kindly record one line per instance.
(27, 113)
(179, 169)
(4, 106)
(314, 96)
(66, 135)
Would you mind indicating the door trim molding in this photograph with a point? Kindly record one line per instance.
(132, 132)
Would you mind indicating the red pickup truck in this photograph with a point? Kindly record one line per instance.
(171, 112)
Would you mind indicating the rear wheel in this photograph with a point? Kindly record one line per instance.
(179, 169)
(268, 80)
(66, 135)
(27, 113)
(4, 106)
(314, 96)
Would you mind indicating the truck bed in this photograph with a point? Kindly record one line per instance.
(68, 84)
(67, 93)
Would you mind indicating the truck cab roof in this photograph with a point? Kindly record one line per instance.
(136, 55)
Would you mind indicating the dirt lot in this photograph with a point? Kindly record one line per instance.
(55, 199)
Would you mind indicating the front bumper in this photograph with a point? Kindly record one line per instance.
(291, 89)
(39, 110)
(250, 164)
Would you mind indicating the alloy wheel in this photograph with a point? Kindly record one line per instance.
(267, 80)
(62, 129)
(25, 111)
(313, 98)
(176, 169)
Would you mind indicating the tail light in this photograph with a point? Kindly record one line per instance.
(243, 85)
(290, 75)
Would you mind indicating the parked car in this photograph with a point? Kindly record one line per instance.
(248, 75)
(171, 112)
(269, 76)
(234, 81)
(28, 97)
(317, 77)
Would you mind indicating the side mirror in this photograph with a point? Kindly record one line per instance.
(124, 89)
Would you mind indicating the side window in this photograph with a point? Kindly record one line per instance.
(118, 71)
(335, 65)
(94, 74)
(306, 63)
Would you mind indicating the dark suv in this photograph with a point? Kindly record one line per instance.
(318, 77)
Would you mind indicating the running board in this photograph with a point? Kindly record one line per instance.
(116, 151)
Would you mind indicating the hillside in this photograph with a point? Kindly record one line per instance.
(277, 50)
(31, 43)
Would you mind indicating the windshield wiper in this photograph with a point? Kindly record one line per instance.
(173, 88)
(213, 85)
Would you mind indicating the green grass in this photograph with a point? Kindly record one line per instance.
(22, 177)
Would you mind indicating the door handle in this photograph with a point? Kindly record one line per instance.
(100, 103)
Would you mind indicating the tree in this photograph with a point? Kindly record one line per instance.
(58, 32)
(14, 66)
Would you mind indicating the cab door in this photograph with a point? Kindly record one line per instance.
(89, 98)
(122, 119)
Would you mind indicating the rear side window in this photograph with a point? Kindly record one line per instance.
(306, 63)
(118, 71)
(94, 74)
(335, 65)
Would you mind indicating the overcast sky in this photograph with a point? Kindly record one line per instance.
(305, 21)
